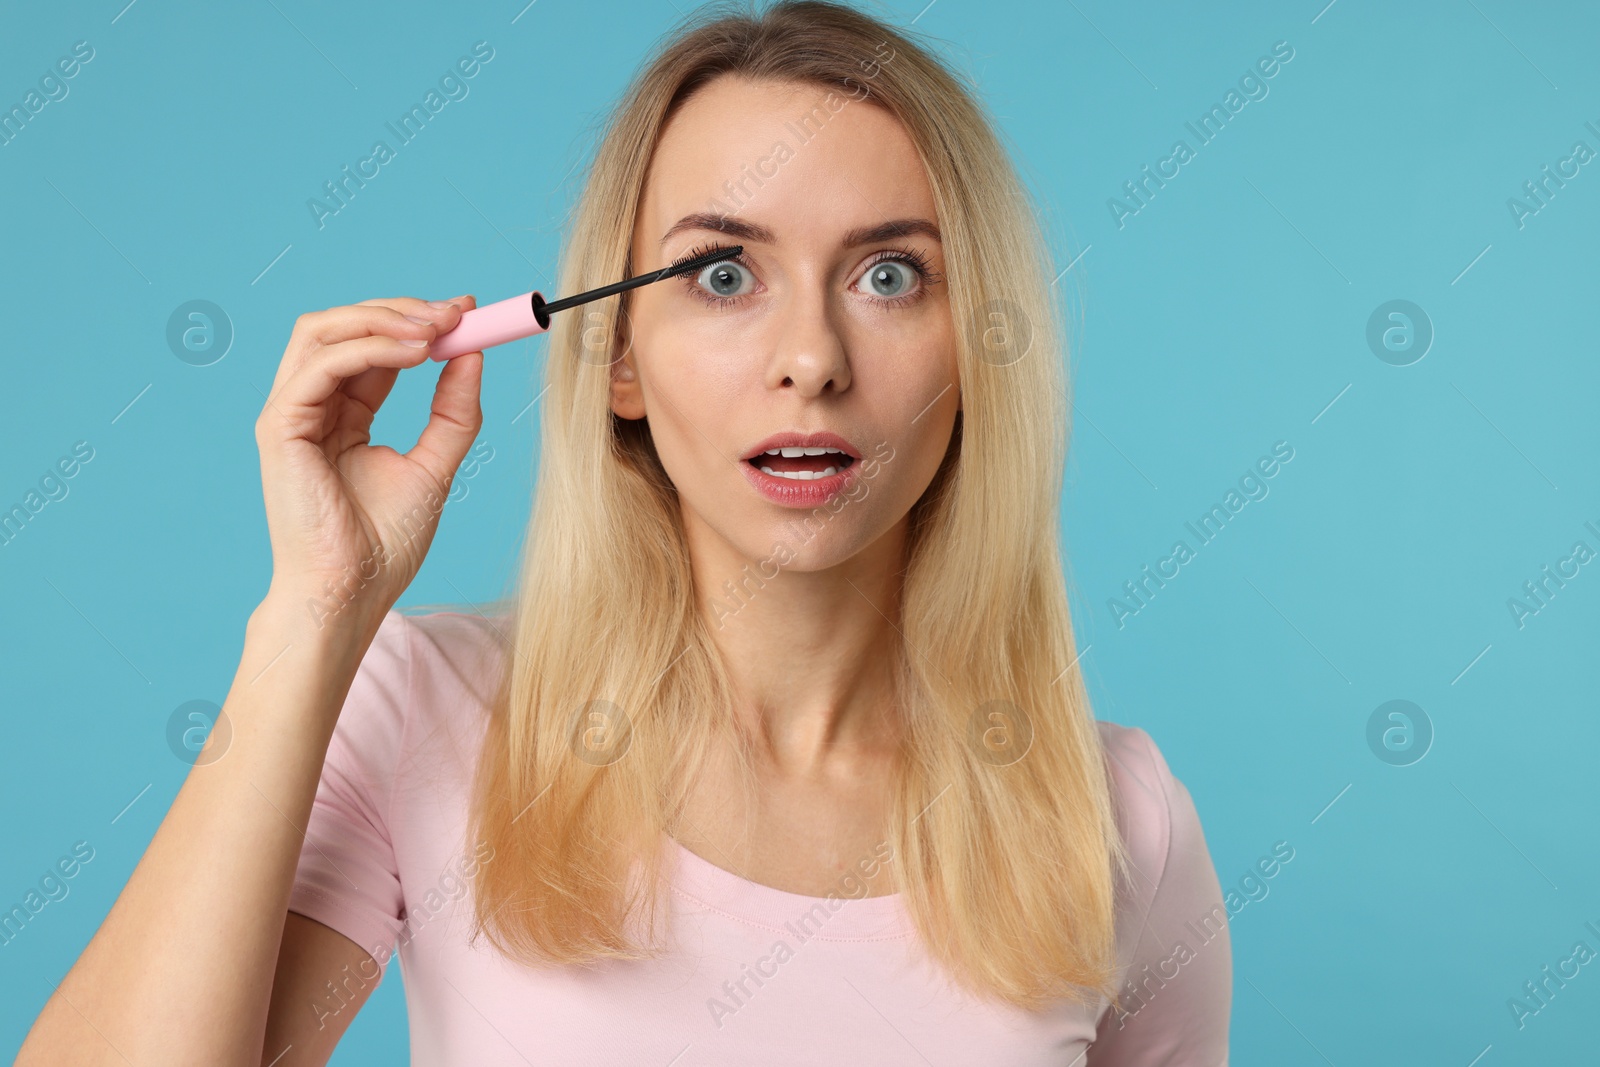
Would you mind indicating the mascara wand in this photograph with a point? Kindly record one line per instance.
(528, 314)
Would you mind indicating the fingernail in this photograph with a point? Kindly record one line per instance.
(420, 322)
(440, 304)
(413, 342)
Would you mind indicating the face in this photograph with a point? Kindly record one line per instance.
(820, 326)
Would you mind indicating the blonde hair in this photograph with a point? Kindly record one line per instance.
(614, 695)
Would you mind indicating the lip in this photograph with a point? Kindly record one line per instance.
(791, 439)
(807, 494)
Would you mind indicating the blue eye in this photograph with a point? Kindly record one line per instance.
(891, 278)
(722, 279)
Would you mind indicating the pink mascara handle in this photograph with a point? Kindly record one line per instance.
(493, 324)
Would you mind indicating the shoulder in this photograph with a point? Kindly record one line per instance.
(423, 688)
(1175, 959)
(455, 662)
(1173, 949)
(455, 650)
(1155, 813)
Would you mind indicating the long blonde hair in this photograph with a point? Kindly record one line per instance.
(613, 697)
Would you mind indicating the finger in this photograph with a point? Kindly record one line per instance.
(302, 398)
(371, 388)
(456, 417)
(368, 390)
(436, 310)
(411, 305)
(359, 320)
(406, 318)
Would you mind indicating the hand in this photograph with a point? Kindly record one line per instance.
(350, 522)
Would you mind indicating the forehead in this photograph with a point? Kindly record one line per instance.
(806, 164)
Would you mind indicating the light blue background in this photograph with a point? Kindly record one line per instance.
(1228, 314)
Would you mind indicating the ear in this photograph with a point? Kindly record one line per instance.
(627, 398)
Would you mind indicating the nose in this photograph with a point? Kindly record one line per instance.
(809, 354)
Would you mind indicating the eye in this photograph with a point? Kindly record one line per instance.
(718, 283)
(723, 280)
(901, 276)
(890, 278)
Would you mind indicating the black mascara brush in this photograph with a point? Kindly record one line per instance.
(528, 314)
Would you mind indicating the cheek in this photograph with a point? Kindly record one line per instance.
(693, 397)
(682, 356)
(917, 381)
(930, 397)
(926, 357)
(927, 440)
(916, 426)
(706, 386)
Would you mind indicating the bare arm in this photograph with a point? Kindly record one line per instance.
(198, 961)
(181, 969)
(306, 1020)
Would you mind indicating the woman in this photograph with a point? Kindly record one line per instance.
(780, 754)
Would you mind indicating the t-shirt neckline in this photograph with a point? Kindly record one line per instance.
(836, 918)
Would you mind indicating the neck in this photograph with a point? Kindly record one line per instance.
(808, 653)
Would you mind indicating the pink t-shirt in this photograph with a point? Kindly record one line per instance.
(757, 975)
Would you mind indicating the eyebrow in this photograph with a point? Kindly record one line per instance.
(750, 231)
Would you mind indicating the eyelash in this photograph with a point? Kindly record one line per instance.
(915, 258)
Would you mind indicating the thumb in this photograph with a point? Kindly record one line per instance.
(454, 420)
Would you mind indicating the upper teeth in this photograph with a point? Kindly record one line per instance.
(791, 453)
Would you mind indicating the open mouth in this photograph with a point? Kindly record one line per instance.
(801, 464)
